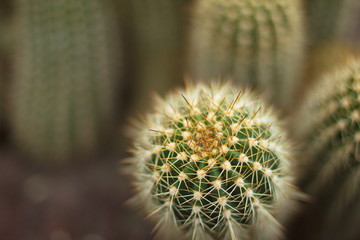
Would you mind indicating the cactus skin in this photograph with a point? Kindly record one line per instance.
(257, 42)
(329, 125)
(213, 164)
(64, 83)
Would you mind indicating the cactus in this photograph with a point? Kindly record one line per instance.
(257, 42)
(329, 125)
(64, 82)
(211, 163)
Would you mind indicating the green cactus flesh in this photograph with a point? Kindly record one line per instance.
(330, 126)
(214, 163)
(331, 121)
(64, 88)
(258, 43)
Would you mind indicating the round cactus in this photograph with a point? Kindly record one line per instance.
(212, 163)
(257, 42)
(328, 125)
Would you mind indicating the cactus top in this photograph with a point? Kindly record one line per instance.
(212, 163)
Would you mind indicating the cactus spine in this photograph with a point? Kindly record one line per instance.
(210, 163)
(257, 42)
(64, 89)
(329, 126)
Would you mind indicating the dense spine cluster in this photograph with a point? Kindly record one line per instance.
(257, 42)
(329, 124)
(64, 86)
(211, 163)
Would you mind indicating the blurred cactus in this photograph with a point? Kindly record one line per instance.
(329, 20)
(64, 89)
(211, 163)
(329, 126)
(324, 59)
(158, 29)
(258, 42)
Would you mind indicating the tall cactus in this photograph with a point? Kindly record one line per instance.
(258, 42)
(64, 88)
(211, 163)
(329, 125)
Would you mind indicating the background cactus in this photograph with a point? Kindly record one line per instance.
(329, 126)
(64, 84)
(212, 163)
(259, 43)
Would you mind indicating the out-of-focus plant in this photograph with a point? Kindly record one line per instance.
(63, 94)
(329, 126)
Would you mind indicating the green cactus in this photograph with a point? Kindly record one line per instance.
(64, 81)
(211, 163)
(257, 42)
(329, 125)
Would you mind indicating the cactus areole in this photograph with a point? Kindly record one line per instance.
(212, 163)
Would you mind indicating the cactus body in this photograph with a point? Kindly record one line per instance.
(64, 89)
(213, 164)
(329, 124)
(258, 43)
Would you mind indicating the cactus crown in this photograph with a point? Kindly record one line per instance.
(211, 162)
